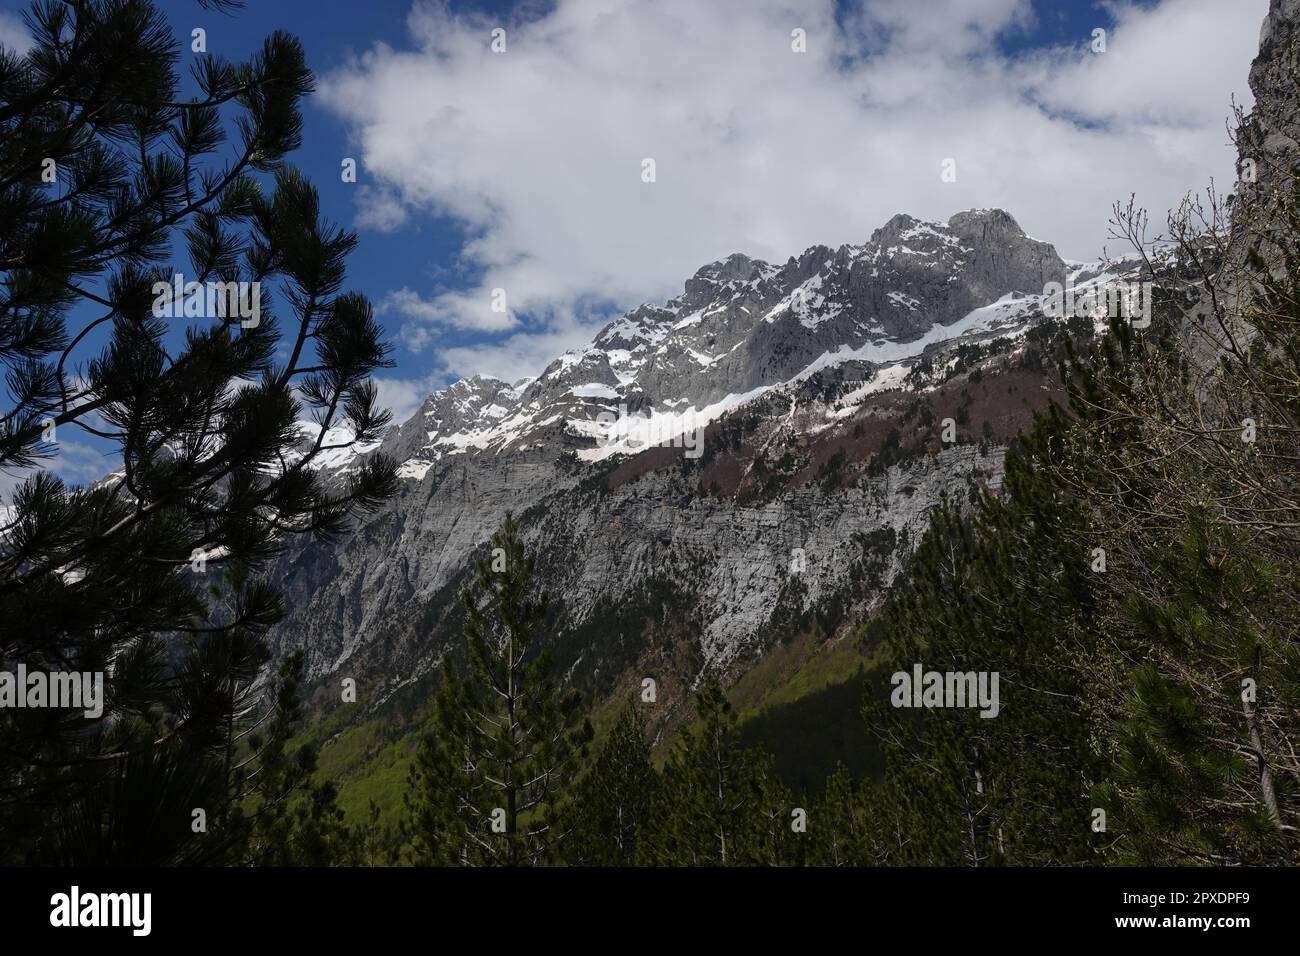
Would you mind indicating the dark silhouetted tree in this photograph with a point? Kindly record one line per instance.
(108, 173)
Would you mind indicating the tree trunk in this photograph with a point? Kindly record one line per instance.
(1265, 775)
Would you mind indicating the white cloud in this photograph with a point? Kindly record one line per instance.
(379, 209)
(1167, 69)
(402, 396)
(76, 463)
(960, 27)
(13, 34)
(81, 464)
(520, 355)
(538, 150)
(455, 309)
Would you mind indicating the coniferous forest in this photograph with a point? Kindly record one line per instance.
(1130, 582)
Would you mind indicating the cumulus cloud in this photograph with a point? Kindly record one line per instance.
(456, 309)
(80, 464)
(402, 396)
(520, 355)
(538, 151)
(1150, 81)
(10, 480)
(379, 209)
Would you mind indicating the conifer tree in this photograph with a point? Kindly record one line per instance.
(844, 827)
(487, 781)
(1005, 590)
(1214, 670)
(108, 173)
(717, 803)
(611, 803)
(292, 819)
(1196, 700)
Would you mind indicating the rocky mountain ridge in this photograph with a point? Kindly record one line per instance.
(743, 327)
(818, 391)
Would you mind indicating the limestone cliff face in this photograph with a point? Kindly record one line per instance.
(735, 560)
(1268, 139)
(1272, 135)
(1268, 161)
(733, 563)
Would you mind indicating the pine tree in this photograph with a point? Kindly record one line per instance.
(488, 779)
(1004, 589)
(1195, 698)
(292, 820)
(611, 803)
(1200, 743)
(844, 825)
(717, 803)
(106, 173)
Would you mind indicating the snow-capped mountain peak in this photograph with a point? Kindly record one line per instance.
(743, 327)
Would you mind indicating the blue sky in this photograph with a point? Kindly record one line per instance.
(522, 170)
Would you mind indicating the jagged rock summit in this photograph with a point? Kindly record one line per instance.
(742, 327)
